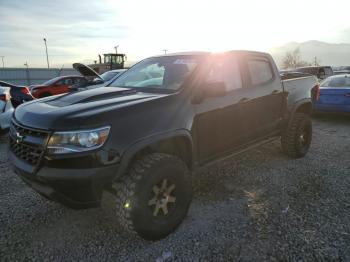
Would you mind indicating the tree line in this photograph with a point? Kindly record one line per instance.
(293, 59)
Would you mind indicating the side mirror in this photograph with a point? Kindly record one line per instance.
(209, 89)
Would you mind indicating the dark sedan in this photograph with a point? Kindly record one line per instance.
(18, 94)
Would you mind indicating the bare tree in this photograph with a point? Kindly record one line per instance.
(317, 62)
(293, 60)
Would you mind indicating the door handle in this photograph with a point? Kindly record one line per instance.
(244, 100)
(347, 95)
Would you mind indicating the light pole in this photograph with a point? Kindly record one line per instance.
(47, 56)
(3, 64)
(27, 73)
(165, 50)
(116, 49)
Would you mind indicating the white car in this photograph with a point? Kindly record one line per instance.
(6, 108)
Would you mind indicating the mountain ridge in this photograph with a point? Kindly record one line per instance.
(333, 54)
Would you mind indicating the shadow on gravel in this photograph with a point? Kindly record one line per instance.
(333, 117)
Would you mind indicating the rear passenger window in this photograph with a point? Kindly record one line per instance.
(68, 81)
(260, 71)
(225, 70)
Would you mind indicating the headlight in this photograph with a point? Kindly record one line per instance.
(77, 141)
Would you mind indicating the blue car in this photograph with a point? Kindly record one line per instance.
(334, 95)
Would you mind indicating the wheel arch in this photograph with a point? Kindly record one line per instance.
(304, 106)
(178, 143)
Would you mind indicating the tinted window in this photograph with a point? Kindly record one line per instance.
(67, 81)
(260, 71)
(225, 69)
(52, 81)
(336, 82)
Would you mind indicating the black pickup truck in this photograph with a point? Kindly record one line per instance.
(141, 136)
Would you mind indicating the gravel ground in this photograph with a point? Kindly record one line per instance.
(257, 206)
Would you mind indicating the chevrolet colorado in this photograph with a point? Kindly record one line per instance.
(141, 136)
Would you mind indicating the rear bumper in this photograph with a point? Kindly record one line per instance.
(331, 108)
(75, 188)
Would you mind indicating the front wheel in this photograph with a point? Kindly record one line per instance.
(296, 139)
(155, 196)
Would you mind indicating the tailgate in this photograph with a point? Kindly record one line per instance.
(333, 95)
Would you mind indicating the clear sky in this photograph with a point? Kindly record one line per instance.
(80, 30)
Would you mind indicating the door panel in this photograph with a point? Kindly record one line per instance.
(218, 126)
(218, 123)
(262, 112)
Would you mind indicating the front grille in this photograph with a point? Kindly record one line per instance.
(27, 144)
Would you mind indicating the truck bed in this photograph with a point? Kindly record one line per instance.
(298, 88)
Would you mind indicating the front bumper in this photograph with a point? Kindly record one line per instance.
(73, 187)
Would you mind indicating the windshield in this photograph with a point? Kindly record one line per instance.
(167, 72)
(51, 81)
(339, 81)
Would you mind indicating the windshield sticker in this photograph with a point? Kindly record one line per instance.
(185, 61)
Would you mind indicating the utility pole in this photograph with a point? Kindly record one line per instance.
(2, 58)
(165, 51)
(116, 49)
(316, 61)
(27, 73)
(47, 56)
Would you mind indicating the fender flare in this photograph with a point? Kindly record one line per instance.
(300, 103)
(131, 150)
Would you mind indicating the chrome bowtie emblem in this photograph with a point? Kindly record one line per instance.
(19, 138)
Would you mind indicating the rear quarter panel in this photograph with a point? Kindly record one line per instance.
(298, 91)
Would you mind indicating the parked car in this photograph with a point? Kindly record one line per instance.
(107, 76)
(140, 137)
(94, 79)
(6, 109)
(18, 94)
(57, 85)
(334, 95)
(341, 72)
(321, 72)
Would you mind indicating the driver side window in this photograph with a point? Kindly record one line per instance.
(226, 70)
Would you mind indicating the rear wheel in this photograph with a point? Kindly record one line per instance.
(155, 196)
(297, 137)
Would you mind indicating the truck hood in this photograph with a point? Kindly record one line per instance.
(83, 109)
(86, 70)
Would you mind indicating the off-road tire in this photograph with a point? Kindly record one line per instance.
(292, 143)
(135, 191)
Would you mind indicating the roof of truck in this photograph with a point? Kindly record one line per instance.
(193, 53)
